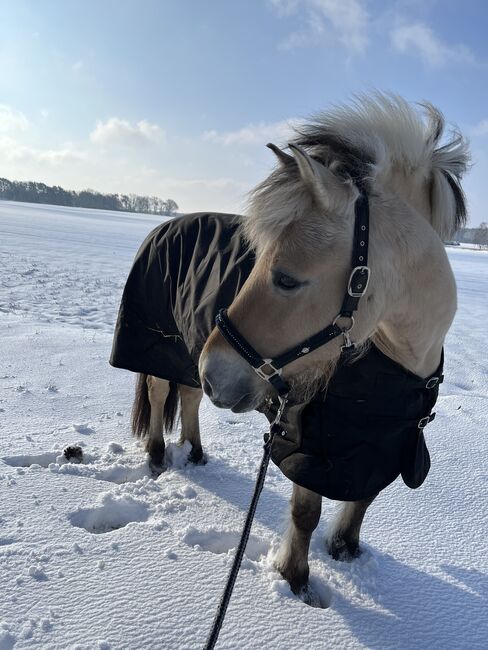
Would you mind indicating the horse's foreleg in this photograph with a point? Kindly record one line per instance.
(292, 558)
(190, 425)
(343, 536)
(158, 391)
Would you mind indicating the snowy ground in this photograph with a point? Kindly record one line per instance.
(99, 555)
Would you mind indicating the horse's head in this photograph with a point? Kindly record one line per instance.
(301, 225)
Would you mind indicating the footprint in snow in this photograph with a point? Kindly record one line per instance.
(27, 460)
(74, 461)
(221, 541)
(113, 513)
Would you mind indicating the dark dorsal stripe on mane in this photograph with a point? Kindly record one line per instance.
(326, 146)
(377, 139)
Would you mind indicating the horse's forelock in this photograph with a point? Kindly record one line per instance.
(284, 199)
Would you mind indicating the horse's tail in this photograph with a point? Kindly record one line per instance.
(141, 409)
(171, 404)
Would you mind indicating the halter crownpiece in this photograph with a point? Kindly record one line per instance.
(270, 369)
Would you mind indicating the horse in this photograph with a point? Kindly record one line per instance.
(301, 231)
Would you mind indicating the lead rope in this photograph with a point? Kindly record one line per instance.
(229, 587)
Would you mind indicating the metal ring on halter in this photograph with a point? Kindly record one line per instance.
(345, 330)
(268, 363)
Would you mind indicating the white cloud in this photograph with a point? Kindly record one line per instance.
(59, 156)
(420, 40)
(481, 128)
(11, 150)
(12, 120)
(346, 20)
(254, 134)
(16, 147)
(284, 7)
(122, 133)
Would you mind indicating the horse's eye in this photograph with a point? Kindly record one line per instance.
(286, 282)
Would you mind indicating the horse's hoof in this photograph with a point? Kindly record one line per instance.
(312, 598)
(298, 581)
(157, 468)
(343, 551)
(197, 457)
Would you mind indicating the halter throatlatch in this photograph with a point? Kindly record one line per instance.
(270, 369)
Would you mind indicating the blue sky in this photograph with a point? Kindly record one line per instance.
(178, 98)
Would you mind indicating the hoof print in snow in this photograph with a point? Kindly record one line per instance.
(26, 460)
(112, 514)
(7, 640)
(74, 454)
(221, 541)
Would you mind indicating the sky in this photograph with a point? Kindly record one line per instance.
(177, 98)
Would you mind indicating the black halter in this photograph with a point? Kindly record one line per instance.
(270, 369)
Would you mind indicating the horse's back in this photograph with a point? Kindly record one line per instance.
(186, 270)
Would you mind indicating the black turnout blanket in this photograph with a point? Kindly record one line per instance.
(184, 272)
(352, 441)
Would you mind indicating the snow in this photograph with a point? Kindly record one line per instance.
(96, 554)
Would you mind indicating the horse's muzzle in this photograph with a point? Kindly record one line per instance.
(230, 385)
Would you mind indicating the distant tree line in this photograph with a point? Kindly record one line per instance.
(477, 236)
(33, 192)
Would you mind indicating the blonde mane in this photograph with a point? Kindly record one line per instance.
(380, 142)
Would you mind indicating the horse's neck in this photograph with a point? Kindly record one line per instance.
(419, 358)
(412, 188)
(420, 309)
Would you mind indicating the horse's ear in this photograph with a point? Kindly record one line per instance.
(329, 190)
(283, 157)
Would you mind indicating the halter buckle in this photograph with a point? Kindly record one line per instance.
(357, 285)
(268, 363)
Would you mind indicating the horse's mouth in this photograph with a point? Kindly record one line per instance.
(246, 403)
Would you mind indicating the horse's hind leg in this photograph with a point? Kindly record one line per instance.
(343, 537)
(190, 426)
(292, 558)
(158, 392)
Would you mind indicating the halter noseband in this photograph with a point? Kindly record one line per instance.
(270, 369)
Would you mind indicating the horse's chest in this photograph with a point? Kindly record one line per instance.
(355, 440)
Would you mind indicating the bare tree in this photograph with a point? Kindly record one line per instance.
(33, 192)
(481, 235)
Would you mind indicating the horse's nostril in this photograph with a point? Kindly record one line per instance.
(207, 387)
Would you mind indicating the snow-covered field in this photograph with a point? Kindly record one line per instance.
(99, 555)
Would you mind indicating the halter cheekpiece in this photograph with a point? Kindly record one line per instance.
(270, 369)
